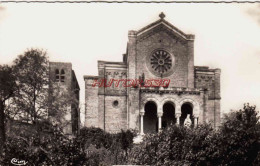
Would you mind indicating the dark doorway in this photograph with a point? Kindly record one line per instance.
(186, 109)
(168, 117)
(150, 118)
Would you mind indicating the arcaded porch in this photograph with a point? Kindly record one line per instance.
(155, 115)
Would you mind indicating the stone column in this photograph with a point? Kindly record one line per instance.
(178, 115)
(142, 122)
(195, 122)
(159, 114)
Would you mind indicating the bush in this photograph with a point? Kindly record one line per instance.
(237, 142)
(96, 137)
(173, 146)
(115, 145)
(91, 147)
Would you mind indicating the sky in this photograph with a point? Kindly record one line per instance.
(227, 36)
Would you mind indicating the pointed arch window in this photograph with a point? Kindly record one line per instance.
(57, 75)
(62, 76)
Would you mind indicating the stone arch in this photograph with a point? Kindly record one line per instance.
(147, 100)
(195, 105)
(187, 114)
(189, 107)
(168, 112)
(171, 100)
(150, 124)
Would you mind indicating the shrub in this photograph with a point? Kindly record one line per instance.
(92, 147)
(237, 142)
(94, 136)
(115, 145)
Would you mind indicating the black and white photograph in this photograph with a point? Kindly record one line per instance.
(130, 83)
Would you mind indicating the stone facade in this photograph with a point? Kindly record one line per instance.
(62, 75)
(157, 51)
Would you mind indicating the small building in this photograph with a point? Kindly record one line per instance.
(158, 52)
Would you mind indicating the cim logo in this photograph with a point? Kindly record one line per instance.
(15, 161)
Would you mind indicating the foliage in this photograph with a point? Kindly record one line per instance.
(7, 82)
(31, 94)
(92, 147)
(59, 100)
(36, 116)
(241, 136)
(36, 97)
(236, 142)
(32, 77)
(115, 146)
(7, 90)
(126, 140)
(96, 137)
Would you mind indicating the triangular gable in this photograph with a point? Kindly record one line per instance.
(163, 23)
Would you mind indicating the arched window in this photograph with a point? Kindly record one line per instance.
(57, 75)
(62, 76)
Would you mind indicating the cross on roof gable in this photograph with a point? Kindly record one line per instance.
(169, 26)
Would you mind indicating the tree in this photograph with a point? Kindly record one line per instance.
(37, 97)
(126, 140)
(7, 89)
(32, 74)
(241, 136)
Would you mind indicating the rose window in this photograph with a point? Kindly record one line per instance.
(161, 61)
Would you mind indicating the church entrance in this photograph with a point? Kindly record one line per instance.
(168, 117)
(150, 118)
(187, 114)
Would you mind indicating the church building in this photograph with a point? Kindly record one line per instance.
(159, 51)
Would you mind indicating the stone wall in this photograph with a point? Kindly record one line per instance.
(134, 106)
(71, 86)
(100, 108)
(67, 67)
(101, 111)
(115, 113)
(161, 39)
(91, 105)
(117, 87)
(209, 79)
